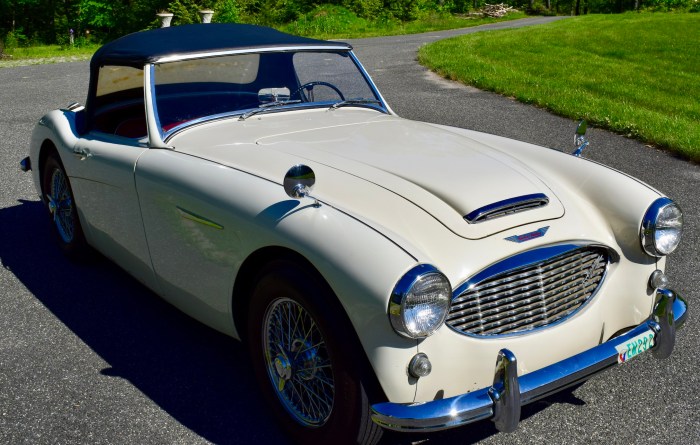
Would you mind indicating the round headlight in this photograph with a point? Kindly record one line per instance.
(420, 301)
(661, 227)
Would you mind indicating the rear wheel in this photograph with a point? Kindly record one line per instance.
(304, 362)
(58, 196)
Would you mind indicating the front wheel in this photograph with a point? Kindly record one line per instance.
(58, 196)
(305, 363)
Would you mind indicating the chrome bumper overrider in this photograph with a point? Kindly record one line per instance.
(502, 401)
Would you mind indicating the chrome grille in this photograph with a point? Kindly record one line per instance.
(530, 296)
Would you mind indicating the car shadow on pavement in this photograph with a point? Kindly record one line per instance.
(195, 374)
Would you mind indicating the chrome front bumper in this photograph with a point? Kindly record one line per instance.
(501, 402)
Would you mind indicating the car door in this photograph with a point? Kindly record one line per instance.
(194, 228)
(103, 182)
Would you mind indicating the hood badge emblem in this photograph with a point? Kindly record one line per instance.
(539, 233)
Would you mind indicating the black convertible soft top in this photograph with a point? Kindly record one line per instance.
(143, 47)
(148, 46)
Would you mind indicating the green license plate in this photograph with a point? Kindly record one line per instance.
(635, 346)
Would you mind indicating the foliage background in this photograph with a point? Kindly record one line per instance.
(35, 22)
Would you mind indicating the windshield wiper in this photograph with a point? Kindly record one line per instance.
(343, 103)
(266, 106)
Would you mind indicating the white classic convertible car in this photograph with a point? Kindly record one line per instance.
(384, 273)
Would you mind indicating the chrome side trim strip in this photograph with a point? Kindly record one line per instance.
(478, 405)
(186, 214)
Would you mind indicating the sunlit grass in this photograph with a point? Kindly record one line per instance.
(636, 74)
(45, 51)
(332, 23)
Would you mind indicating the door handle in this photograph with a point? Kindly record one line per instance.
(82, 153)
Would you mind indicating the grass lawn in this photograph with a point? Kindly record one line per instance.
(45, 51)
(636, 74)
(332, 23)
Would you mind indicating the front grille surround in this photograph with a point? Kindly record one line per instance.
(533, 290)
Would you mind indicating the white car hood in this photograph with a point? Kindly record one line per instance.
(464, 175)
(445, 174)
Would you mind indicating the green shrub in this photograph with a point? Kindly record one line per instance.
(671, 5)
(226, 11)
(184, 12)
(326, 20)
(366, 8)
(15, 39)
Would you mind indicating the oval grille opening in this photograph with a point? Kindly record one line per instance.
(530, 296)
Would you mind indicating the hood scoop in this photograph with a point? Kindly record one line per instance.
(507, 207)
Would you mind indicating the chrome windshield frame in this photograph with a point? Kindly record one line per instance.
(160, 137)
(156, 137)
(233, 52)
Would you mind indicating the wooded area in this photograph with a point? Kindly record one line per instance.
(25, 22)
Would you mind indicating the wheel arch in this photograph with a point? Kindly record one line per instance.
(48, 147)
(249, 274)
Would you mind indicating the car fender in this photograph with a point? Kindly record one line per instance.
(205, 219)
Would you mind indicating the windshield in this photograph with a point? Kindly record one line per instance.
(247, 84)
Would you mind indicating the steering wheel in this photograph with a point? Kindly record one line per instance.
(309, 86)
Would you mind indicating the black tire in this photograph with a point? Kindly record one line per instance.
(60, 203)
(310, 374)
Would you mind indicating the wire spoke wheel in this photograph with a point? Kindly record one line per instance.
(298, 363)
(60, 202)
(306, 358)
(61, 206)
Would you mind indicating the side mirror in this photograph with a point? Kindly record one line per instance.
(299, 181)
(580, 140)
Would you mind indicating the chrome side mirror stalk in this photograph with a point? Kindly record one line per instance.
(580, 139)
(74, 107)
(299, 181)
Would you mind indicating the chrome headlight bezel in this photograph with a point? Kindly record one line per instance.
(661, 229)
(423, 288)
